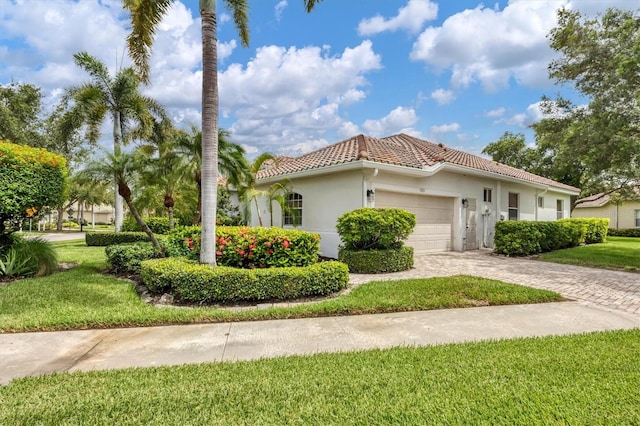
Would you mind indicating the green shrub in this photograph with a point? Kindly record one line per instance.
(196, 283)
(375, 228)
(109, 238)
(30, 179)
(596, 228)
(126, 258)
(624, 232)
(70, 225)
(243, 247)
(28, 258)
(157, 224)
(377, 261)
(523, 238)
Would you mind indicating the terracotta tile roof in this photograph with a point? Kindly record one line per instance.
(401, 150)
(596, 200)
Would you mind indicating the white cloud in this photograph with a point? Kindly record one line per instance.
(347, 129)
(410, 18)
(498, 112)
(304, 147)
(491, 46)
(531, 115)
(444, 128)
(280, 7)
(442, 96)
(399, 120)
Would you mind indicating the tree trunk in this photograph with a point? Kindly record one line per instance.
(209, 131)
(196, 217)
(60, 218)
(125, 192)
(117, 143)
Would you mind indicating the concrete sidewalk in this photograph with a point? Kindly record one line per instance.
(29, 354)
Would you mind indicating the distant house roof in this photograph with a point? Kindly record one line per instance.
(401, 150)
(596, 200)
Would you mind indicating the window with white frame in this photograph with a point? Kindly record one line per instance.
(637, 213)
(514, 203)
(541, 202)
(559, 209)
(292, 214)
(487, 195)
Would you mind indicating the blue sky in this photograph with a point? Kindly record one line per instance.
(457, 72)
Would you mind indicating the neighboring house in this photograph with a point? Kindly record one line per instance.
(457, 197)
(621, 214)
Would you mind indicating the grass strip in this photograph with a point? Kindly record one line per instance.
(83, 298)
(621, 253)
(581, 379)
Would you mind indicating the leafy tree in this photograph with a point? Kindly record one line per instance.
(20, 108)
(120, 98)
(600, 57)
(145, 17)
(30, 179)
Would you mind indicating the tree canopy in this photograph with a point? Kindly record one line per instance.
(596, 146)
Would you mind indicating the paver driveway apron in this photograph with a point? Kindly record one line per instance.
(611, 289)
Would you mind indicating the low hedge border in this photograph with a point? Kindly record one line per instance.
(377, 261)
(625, 232)
(103, 239)
(195, 283)
(126, 258)
(596, 228)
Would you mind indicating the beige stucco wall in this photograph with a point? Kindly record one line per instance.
(328, 196)
(622, 216)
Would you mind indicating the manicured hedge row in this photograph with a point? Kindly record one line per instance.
(375, 228)
(109, 238)
(624, 232)
(522, 238)
(196, 283)
(157, 224)
(124, 258)
(596, 228)
(244, 247)
(377, 261)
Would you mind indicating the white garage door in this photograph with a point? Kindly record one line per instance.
(434, 217)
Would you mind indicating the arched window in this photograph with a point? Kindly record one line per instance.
(293, 210)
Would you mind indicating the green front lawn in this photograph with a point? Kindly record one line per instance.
(84, 297)
(577, 380)
(621, 253)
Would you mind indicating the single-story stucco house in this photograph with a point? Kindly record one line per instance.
(457, 197)
(621, 214)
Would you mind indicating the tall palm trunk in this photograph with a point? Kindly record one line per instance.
(209, 131)
(117, 141)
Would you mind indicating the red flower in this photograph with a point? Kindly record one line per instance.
(218, 253)
(241, 252)
(285, 244)
(268, 244)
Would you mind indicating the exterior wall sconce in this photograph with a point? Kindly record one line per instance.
(465, 203)
(370, 195)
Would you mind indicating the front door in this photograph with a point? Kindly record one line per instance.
(470, 241)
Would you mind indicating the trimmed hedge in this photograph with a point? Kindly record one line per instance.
(596, 228)
(157, 224)
(196, 283)
(523, 238)
(624, 232)
(102, 239)
(375, 228)
(244, 247)
(126, 258)
(377, 261)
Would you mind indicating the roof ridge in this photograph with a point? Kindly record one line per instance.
(363, 148)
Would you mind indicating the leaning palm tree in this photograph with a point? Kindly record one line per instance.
(118, 97)
(124, 168)
(145, 17)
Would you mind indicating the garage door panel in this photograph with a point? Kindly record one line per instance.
(434, 216)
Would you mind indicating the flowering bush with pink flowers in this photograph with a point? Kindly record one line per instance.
(244, 247)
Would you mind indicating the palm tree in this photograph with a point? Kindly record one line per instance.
(118, 97)
(145, 17)
(248, 192)
(123, 167)
(232, 163)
